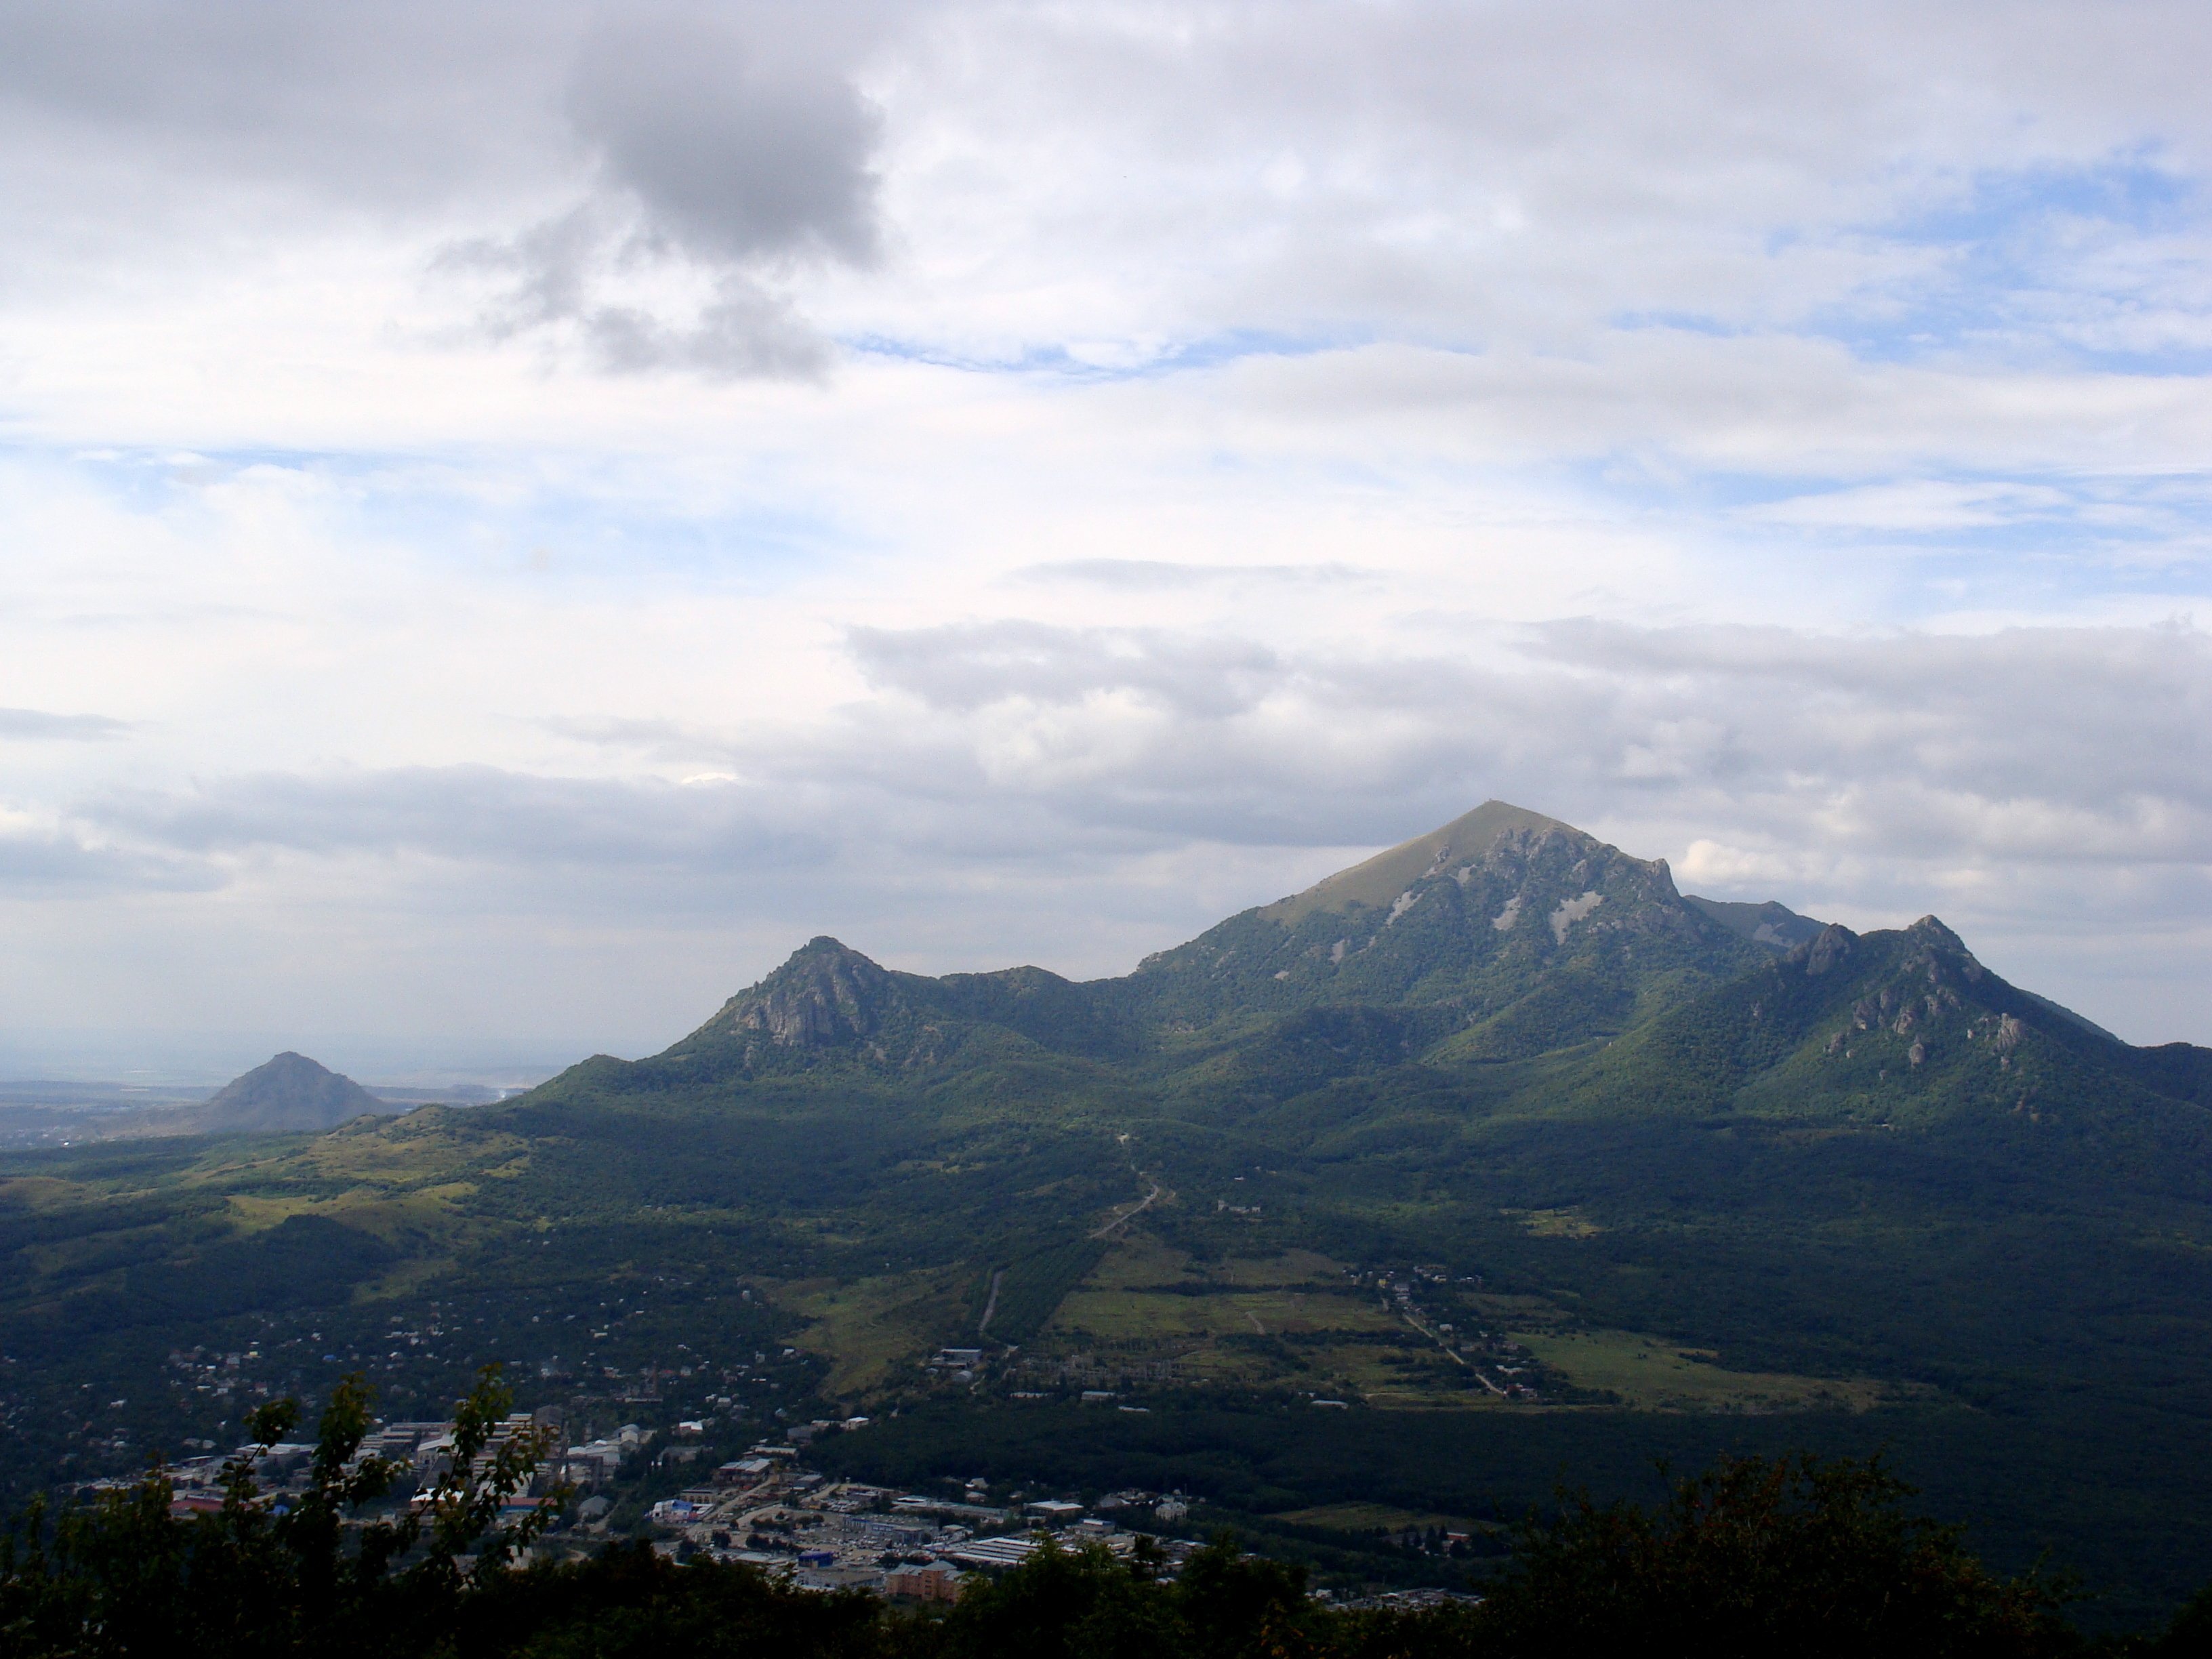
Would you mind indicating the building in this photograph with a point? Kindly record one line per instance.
(594, 1464)
(934, 1583)
(994, 1552)
(886, 1533)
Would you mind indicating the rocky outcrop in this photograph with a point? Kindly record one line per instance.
(824, 996)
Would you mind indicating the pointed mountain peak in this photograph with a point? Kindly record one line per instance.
(284, 1093)
(825, 992)
(1833, 945)
(1931, 930)
(1377, 883)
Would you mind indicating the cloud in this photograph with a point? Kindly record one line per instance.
(966, 666)
(557, 277)
(593, 484)
(35, 725)
(2047, 745)
(738, 150)
(1078, 794)
(726, 159)
(45, 856)
(2059, 746)
(479, 815)
(1141, 574)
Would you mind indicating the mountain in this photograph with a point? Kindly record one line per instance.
(1886, 1028)
(1540, 1165)
(1504, 934)
(287, 1094)
(1771, 924)
(1504, 937)
(1511, 931)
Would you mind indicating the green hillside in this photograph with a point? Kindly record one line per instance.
(1532, 1162)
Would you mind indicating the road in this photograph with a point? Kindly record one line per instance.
(1131, 1213)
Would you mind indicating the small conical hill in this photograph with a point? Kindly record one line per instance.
(287, 1094)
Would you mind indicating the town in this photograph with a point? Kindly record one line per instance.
(767, 1508)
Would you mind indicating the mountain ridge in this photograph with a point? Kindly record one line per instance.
(1502, 935)
(1859, 1191)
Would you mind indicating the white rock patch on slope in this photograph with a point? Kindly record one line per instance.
(1512, 913)
(1405, 901)
(1571, 911)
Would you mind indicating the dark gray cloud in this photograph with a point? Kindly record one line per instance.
(721, 149)
(36, 725)
(738, 146)
(726, 146)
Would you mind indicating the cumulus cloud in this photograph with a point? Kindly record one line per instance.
(556, 285)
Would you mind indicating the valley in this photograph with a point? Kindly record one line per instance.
(1492, 1162)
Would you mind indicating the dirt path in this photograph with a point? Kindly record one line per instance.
(1436, 1337)
(1131, 1213)
(991, 1306)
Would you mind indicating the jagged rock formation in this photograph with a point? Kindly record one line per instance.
(825, 993)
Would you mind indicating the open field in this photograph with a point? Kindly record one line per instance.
(1145, 1289)
(1377, 1517)
(1556, 1223)
(1293, 1320)
(872, 1329)
(1651, 1375)
(1285, 1310)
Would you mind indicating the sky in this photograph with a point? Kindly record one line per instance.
(514, 517)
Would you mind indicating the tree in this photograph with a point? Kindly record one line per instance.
(270, 1573)
(1756, 1557)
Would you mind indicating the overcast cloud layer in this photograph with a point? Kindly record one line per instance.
(513, 517)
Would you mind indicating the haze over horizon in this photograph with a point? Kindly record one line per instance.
(515, 518)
